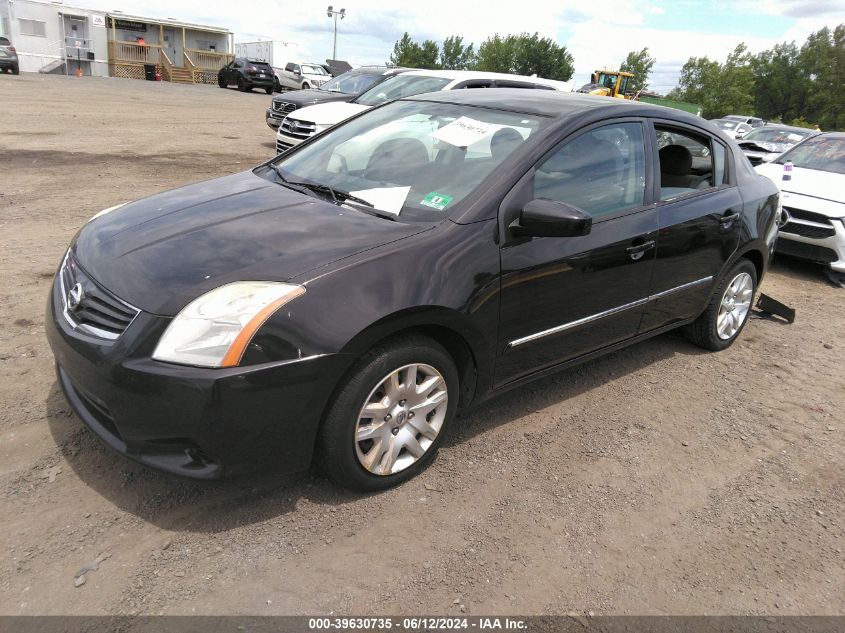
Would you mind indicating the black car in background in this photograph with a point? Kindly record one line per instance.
(8, 57)
(344, 87)
(345, 299)
(247, 74)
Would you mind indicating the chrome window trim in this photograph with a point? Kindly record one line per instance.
(606, 313)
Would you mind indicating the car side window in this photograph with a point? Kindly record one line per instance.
(601, 171)
(688, 162)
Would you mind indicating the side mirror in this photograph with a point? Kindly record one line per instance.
(547, 218)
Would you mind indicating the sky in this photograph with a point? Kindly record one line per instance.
(598, 33)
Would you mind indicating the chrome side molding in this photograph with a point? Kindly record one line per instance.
(595, 317)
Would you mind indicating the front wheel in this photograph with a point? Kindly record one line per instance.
(269, 91)
(390, 414)
(221, 82)
(728, 310)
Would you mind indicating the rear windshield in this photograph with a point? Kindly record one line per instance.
(262, 65)
(401, 86)
(351, 83)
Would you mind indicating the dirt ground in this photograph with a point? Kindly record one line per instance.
(659, 479)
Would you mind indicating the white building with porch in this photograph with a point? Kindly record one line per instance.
(53, 37)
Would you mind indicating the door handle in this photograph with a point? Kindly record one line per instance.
(728, 218)
(637, 251)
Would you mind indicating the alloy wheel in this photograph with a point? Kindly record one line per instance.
(400, 419)
(735, 305)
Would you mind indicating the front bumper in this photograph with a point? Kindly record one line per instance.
(274, 119)
(195, 422)
(826, 250)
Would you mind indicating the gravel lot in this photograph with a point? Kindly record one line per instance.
(659, 479)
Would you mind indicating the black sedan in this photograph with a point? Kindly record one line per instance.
(344, 300)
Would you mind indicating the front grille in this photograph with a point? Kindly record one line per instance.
(90, 308)
(808, 224)
(283, 107)
(800, 214)
(281, 148)
(808, 230)
(298, 129)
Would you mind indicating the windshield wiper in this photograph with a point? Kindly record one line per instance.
(338, 197)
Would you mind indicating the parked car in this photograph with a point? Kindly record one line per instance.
(766, 143)
(813, 199)
(246, 74)
(309, 121)
(300, 76)
(8, 57)
(344, 87)
(348, 297)
(753, 121)
(732, 127)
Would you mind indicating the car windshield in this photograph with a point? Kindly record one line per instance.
(401, 86)
(776, 135)
(351, 83)
(411, 160)
(820, 152)
(311, 69)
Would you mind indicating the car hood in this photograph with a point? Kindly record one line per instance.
(310, 97)
(761, 146)
(809, 189)
(162, 252)
(328, 113)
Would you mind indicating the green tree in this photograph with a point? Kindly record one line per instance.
(719, 89)
(822, 61)
(639, 63)
(780, 88)
(410, 54)
(455, 56)
(526, 54)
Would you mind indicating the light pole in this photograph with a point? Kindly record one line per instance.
(331, 12)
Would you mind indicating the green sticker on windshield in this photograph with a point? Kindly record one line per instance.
(436, 201)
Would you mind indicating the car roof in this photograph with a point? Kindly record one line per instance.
(466, 75)
(552, 103)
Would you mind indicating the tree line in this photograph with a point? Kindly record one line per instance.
(798, 85)
(802, 86)
(523, 54)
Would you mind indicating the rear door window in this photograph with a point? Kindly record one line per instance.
(689, 161)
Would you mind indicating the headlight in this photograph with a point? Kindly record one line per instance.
(214, 330)
(109, 210)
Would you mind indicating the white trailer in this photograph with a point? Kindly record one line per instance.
(275, 53)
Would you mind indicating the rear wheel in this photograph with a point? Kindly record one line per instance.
(242, 86)
(16, 70)
(390, 414)
(728, 311)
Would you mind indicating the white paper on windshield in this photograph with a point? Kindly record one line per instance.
(794, 137)
(464, 131)
(390, 199)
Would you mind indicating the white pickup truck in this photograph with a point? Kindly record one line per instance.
(300, 76)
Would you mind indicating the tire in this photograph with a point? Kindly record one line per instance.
(242, 86)
(269, 91)
(221, 82)
(728, 310)
(16, 70)
(372, 464)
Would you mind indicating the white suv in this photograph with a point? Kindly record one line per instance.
(296, 76)
(307, 122)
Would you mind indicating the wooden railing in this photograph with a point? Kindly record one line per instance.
(207, 60)
(130, 52)
(166, 66)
